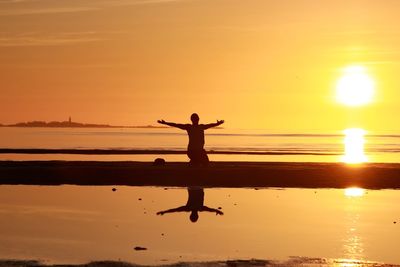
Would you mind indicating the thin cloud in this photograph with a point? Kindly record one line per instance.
(382, 62)
(11, 1)
(143, 2)
(31, 39)
(70, 6)
(50, 10)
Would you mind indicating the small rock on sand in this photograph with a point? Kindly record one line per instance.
(114, 189)
(159, 162)
(140, 248)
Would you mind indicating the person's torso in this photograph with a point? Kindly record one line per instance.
(196, 137)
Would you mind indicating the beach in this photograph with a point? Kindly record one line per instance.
(89, 197)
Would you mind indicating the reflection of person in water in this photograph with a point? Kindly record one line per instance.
(195, 204)
(195, 151)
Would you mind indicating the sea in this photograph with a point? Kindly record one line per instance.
(231, 144)
(71, 224)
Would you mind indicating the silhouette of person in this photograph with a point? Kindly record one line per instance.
(195, 150)
(194, 205)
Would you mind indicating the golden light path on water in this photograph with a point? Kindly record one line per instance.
(353, 246)
(355, 88)
(354, 146)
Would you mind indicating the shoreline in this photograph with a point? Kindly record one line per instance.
(90, 151)
(216, 174)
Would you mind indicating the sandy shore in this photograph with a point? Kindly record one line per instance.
(217, 174)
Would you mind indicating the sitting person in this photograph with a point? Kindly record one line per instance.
(195, 151)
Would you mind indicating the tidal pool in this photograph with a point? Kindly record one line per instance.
(155, 225)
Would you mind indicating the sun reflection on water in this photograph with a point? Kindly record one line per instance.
(349, 263)
(354, 146)
(354, 192)
(353, 245)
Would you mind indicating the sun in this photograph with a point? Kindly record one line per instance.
(355, 87)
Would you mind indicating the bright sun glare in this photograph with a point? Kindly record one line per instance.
(354, 146)
(355, 87)
(354, 192)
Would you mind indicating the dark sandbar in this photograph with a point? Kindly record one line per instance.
(217, 174)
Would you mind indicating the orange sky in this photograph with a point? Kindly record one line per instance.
(257, 64)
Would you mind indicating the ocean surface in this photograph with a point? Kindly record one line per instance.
(269, 146)
(313, 227)
(78, 224)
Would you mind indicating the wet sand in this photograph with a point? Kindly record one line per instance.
(216, 174)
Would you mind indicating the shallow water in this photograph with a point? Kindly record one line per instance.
(315, 147)
(75, 224)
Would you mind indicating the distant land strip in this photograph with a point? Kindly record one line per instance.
(80, 125)
(150, 152)
(71, 124)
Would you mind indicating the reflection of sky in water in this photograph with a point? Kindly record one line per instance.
(78, 224)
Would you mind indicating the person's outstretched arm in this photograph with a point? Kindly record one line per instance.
(210, 125)
(172, 124)
(183, 208)
(217, 212)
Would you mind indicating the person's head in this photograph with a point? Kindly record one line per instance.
(195, 118)
(194, 216)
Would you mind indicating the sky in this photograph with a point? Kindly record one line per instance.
(256, 64)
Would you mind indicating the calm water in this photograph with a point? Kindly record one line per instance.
(72, 224)
(315, 147)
